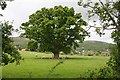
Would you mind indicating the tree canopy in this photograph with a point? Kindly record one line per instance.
(56, 29)
(109, 17)
(2, 6)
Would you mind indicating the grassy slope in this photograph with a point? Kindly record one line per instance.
(88, 45)
(94, 45)
(34, 67)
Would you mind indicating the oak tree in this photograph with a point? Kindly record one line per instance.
(56, 29)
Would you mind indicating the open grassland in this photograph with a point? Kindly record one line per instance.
(34, 67)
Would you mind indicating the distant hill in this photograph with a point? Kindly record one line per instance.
(86, 45)
(94, 46)
(20, 41)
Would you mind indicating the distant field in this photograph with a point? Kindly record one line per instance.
(34, 67)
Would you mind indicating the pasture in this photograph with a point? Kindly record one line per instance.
(33, 66)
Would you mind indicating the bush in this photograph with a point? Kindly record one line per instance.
(90, 53)
(71, 53)
(97, 54)
(105, 72)
(32, 45)
(114, 61)
(26, 49)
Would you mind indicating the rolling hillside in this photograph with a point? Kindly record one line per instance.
(86, 45)
(94, 46)
(21, 41)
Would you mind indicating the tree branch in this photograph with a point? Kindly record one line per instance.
(1, 15)
(102, 27)
(108, 13)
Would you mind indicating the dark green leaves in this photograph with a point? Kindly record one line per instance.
(109, 17)
(3, 5)
(9, 52)
(32, 45)
(55, 29)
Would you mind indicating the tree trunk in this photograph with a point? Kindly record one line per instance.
(56, 55)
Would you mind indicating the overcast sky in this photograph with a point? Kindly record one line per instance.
(19, 11)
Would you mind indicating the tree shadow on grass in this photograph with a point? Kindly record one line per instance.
(54, 75)
(66, 58)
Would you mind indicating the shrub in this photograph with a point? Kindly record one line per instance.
(114, 61)
(71, 53)
(32, 45)
(90, 53)
(26, 49)
(105, 72)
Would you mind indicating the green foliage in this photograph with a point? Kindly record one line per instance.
(108, 13)
(105, 72)
(32, 45)
(114, 60)
(9, 52)
(56, 29)
(109, 16)
(3, 4)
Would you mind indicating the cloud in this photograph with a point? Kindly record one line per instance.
(104, 38)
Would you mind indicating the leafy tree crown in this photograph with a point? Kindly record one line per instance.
(56, 29)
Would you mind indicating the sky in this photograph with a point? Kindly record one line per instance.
(18, 12)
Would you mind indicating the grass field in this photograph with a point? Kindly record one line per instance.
(34, 67)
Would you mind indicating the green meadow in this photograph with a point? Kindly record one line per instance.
(37, 65)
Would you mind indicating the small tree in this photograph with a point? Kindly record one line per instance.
(32, 45)
(56, 29)
(9, 52)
